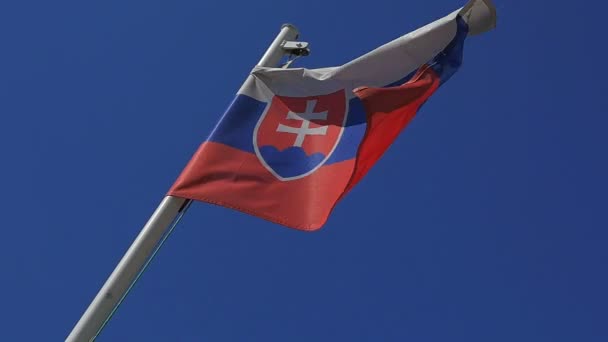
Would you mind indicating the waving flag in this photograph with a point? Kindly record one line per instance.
(294, 141)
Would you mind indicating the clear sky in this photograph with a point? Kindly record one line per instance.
(485, 221)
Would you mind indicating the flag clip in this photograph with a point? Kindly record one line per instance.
(296, 48)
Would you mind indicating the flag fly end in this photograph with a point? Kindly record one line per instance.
(480, 15)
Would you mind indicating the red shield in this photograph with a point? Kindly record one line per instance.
(296, 135)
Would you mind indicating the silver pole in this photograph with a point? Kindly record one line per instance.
(117, 285)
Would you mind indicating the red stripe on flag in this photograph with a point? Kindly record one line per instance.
(388, 111)
(232, 178)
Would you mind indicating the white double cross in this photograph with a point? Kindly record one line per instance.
(304, 129)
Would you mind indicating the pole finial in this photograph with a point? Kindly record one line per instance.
(293, 28)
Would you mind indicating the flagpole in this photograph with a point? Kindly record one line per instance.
(145, 244)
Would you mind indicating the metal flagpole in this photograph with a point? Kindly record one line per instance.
(145, 245)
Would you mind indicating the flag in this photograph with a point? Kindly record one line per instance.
(293, 142)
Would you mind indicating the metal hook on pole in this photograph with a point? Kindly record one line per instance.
(296, 50)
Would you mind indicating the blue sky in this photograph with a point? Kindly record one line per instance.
(485, 221)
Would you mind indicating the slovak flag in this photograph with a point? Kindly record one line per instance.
(294, 141)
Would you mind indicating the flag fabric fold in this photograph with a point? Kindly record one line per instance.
(294, 141)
